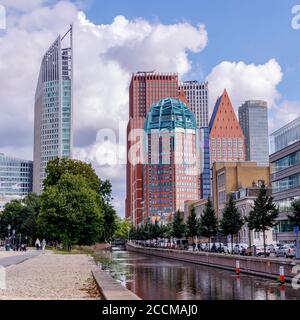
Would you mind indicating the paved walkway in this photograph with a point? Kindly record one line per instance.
(19, 258)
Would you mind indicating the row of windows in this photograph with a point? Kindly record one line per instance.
(286, 183)
(286, 162)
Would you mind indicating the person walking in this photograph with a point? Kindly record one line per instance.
(37, 244)
(43, 245)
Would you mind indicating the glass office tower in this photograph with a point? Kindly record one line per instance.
(253, 117)
(53, 107)
(15, 178)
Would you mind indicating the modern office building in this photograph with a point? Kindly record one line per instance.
(146, 89)
(171, 174)
(253, 117)
(15, 178)
(197, 96)
(229, 177)
(227, 142)
(53, 107)
(285, 175)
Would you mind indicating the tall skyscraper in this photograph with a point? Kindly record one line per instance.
(15, 178)
(227, 142)
(146, 88)
(197, 97)
(53, 107)
(253, 117)
(171, 174)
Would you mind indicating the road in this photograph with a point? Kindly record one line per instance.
(16, 259)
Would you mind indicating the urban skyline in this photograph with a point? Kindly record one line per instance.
(272, 66)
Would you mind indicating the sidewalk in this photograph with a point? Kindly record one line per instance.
(51, 277)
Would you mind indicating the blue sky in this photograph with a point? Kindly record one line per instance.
(252, 31)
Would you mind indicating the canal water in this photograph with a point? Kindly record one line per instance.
(153, 278)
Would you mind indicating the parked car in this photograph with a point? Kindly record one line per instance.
(238, 248)
(286, 251)
(260, 251)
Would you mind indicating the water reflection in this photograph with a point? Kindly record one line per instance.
(164, 279)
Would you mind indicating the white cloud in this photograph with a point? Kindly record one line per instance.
(283, 113)
(104, 57)
(245, 81)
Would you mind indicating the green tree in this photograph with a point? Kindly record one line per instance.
(295, 217)
(178, 227)
(208, 224)
(155, 230)
(71, 212)
(110, 222)
(21, 215)
(192, 224)
(263, 214)
(58, 167)
(122, 230)
(232, 221)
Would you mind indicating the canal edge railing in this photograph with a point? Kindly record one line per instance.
(110, 289)
(264, 267)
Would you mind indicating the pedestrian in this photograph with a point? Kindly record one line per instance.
(37, 244)
(194, 246)
(43, 245)
(199, 246)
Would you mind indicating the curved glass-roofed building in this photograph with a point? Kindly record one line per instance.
(171, 174)
(170, 114)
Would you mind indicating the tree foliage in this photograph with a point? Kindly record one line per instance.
(21, 215)
(295, 217)
(208, 224)
(232, 221)
(178, 227)
(263, 214)
(192, 224)
(71, 212)
(122, 229)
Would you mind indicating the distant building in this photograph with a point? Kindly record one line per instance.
(146, 89)
(171, 174)
(244, 201)
(15, 178)
(197, 97)
(53, 108)
(227, 142)
(228, 177)
(198, 205)
(285, 175)
(253, 117)
(205, 181)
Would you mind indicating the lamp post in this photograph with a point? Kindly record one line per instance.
(13, 236)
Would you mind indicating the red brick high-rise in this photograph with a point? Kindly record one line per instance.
(227, 142)
(146, 88)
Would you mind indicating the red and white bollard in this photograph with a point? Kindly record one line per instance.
(237, 267)
(281, 274)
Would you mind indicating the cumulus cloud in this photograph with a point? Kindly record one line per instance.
(283, 113)
(105, 55)
(245, 82)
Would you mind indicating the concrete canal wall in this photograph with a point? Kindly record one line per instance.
(265, 267)
(110, 289)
